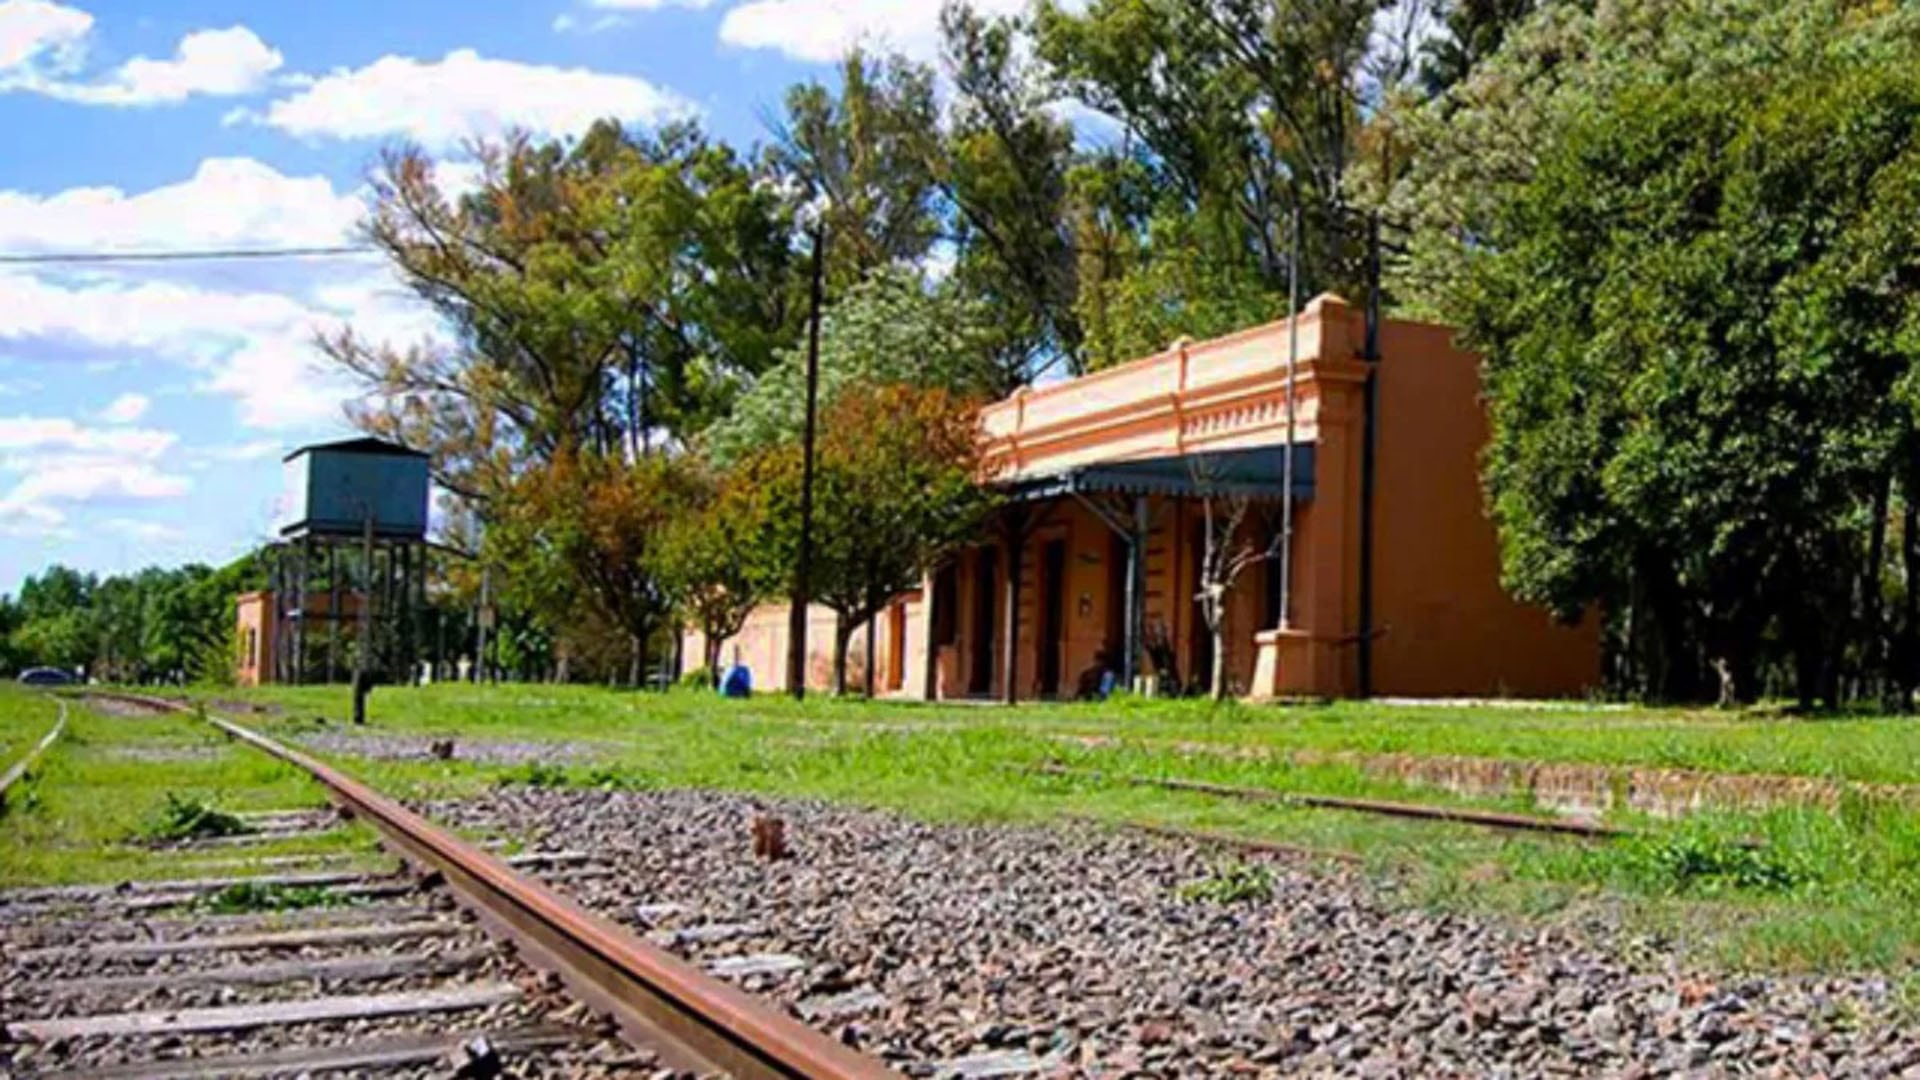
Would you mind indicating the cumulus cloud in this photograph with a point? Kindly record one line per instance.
(43, 47)
(211, 63)
(254, 346)
(442, 103)
(36, 31)
(821, 31)
(56, 463)
(228, 202)
(126, 409)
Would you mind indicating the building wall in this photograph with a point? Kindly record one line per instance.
(762, 646)
(1445, 626)
(255, 626)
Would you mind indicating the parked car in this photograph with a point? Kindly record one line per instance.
(46, 676)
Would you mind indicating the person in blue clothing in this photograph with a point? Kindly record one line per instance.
(738, 682)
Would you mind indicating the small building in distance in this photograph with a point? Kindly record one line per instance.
(353, 530)
(1097, 552)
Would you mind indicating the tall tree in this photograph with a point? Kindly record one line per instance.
(859, 156)
(602, 294)
(894, 327)
(1244, 110)
(1685, 283)
(1003, 162)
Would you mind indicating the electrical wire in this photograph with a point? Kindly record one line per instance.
(54, 258)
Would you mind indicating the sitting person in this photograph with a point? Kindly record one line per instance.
(1097, 681)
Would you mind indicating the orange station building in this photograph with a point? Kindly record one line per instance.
(1095, 561)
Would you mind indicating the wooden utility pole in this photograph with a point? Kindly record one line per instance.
(803, 571)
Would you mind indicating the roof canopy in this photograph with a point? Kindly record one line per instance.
(365, 444)
(1252, 473)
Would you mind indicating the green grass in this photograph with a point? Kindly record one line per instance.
(1796, 887)
(1864, 749)
(112, 784)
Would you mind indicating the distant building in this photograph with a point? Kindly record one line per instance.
(1086, 462)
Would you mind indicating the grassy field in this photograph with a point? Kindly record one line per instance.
(113, 787)
(1796, 887)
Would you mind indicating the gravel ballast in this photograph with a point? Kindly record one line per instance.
(997, 950)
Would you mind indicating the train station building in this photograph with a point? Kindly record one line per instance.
(1094, 563)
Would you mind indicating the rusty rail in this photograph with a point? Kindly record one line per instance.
(25, 764)
(692, 1019)
(1423, 811)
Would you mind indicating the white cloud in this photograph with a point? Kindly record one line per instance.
(256, 348)
(126, 409)
(253, 346)
(58, 462)
(228, 202)
(32, 30)
(53, 439)
(445, 102)
(213, 63)
(821, 31)
(43, 46)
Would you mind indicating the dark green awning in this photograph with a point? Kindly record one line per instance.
(1253, 473)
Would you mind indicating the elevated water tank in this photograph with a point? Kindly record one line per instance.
(332, 488)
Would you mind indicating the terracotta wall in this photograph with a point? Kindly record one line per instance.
(1446, 626)
(254, 622)
(762, 646)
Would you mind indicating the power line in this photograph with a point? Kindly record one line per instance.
(51, 258)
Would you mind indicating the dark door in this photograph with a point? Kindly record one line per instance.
(1200, 648)
(986, 595)
(1053, 615)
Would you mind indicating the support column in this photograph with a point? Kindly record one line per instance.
(929, 649)
(1136, 618)
(1016, 542)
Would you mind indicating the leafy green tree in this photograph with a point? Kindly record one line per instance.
(892, 327)
(1471, 31)
(573, 538)
(1244, 110)
(1003, 163)
(862, 154)
(1694, 290)
(895, 489)
(604, 294)
(725, 553)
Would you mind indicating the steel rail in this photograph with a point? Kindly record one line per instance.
(25, 764)
(1423, 811)
(663, 1002)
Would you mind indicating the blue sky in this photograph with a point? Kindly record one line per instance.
(143, 410)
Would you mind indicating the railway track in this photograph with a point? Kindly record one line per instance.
(456, 960)
(22, 768)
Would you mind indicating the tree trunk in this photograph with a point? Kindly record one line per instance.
(711, 647)
(1872, 595)
(1219, 675)
(873, 625)
(634, 659)
(842, 634)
